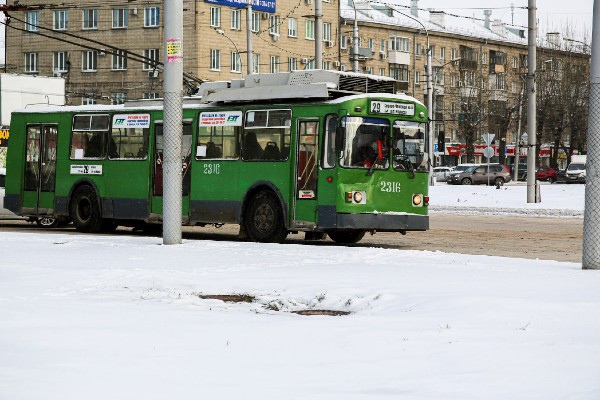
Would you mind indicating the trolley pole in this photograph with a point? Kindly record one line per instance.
(173, 115)
(532, 187)
(318, 34)
(591, 227)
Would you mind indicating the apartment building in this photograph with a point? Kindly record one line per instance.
(112, 51)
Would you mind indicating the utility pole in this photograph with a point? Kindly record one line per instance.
(173, 117)
(591, 225)
(518, 143)
(355, 41)
(532, 186)
(248, 38)
(318, 34)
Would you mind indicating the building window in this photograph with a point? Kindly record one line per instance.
(398, 43)
(292, 64)
(442, 53)
(438, 76)
(515, 62)
(118, 98)
(292, 27)
(89, 101)
(310, 30)
(150, 59)
(344, 42)
(151, 95)
(32, 21)
(31, 62)
(255, 63)
(483, 58)
(372, 44)
(399, 72)
(310, 64)
(119, 60)
(255, 22)
(382, 71)
(120, 18)
(236, 20)
(90, 19)
(382, 45)
(60, 61)
(274, 64)
(151, 17)
(327, 31)
(236, 62)
(61, 20)
(274, 22)
(417, 77)
(453, 54)
(326, 65)
(215, 17)
(215, 59)
(90, 61)
(514, 87)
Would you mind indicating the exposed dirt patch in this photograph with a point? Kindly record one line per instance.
(332, 313)
(229, 298)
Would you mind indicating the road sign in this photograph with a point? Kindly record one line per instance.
(488, 152)
(488, 138)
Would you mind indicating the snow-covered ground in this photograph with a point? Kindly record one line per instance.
(117, 317)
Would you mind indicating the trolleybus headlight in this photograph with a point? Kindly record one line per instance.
(417, 200)
(358, 197)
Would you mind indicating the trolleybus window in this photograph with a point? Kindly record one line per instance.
(409, 144)
(129, 136)
(89, 136)
(329, 150)
(218, 134)
(267, 135)
(366, 142)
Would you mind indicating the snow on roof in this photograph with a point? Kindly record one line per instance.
(465, 26)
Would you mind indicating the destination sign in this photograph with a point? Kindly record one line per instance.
(386, 107)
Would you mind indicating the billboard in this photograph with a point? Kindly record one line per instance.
(257, 5)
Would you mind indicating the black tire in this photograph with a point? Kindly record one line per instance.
(264, 219)
(466, 181)
(85, 210)
(499, 181)
(346, 237)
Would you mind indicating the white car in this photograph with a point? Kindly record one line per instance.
(441, 173)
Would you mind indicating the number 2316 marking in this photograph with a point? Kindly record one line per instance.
(390, 187)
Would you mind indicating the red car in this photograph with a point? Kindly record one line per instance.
(546, 173)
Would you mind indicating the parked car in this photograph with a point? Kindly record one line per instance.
(493, 174)
(544, 173)
(441, 173)
(521, 173)
(576, 173)
(561, 176)
(457, 170)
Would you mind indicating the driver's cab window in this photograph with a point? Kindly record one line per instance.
(366, 142)
(409, 145)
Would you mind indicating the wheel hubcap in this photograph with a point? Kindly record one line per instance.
(264, 218)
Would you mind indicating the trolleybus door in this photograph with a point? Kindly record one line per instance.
(40, 168)
(157, 180)
(305, 188)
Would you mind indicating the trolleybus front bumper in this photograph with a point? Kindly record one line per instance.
(383, 222)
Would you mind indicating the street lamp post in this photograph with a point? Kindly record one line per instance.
(355, 41)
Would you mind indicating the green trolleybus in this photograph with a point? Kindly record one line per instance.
(316, 151)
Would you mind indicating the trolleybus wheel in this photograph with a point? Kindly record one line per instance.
(264, 219)
(346, 236)
(47, 222)
(85, 210)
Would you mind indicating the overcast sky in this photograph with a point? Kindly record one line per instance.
(553, 15)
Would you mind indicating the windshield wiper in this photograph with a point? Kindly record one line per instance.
(372, 167)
